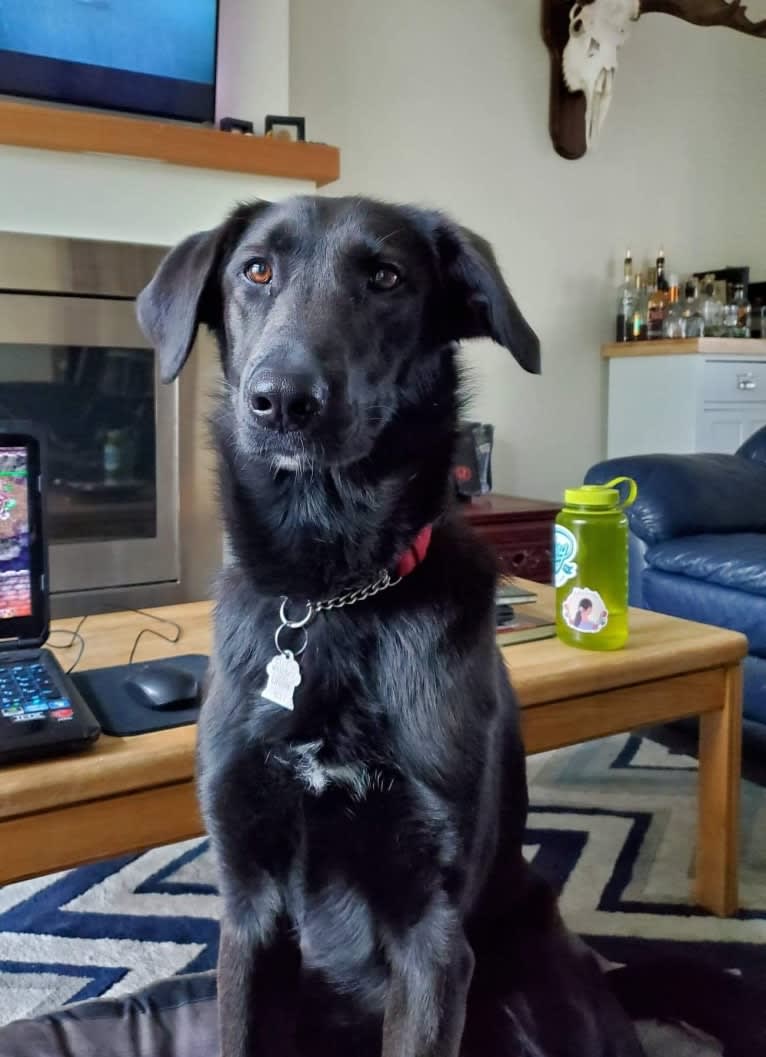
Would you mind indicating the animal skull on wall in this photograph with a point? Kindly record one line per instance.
(584, 40)
(597, 31)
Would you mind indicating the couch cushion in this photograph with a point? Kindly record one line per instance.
(755, 446)
(179, 1018)
(684, 495)
(737, 560)
(683, 596)
(173, 1018)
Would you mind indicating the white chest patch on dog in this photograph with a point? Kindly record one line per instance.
(318, 776)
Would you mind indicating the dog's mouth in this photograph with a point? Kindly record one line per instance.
(298, 453)
(328, 445)
(312, 455)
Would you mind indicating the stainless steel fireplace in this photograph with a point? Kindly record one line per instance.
(73, 359)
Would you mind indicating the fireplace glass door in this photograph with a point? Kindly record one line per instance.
(81, 368)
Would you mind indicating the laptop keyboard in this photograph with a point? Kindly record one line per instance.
(28, 692)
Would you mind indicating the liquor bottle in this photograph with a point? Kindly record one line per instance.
(657, 303)
(662, 282)
(626, 299)
(651, 280)
(730, 316)
(638, 321)
(673, 324)
(712, 309)
(743, 312)
(693, 323)
(736, 314)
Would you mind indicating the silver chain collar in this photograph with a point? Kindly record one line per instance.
(382, 583)
(350, 598)
(283, 670)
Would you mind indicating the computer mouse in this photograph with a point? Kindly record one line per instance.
(162, 687)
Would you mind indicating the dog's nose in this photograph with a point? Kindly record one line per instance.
(285, 402)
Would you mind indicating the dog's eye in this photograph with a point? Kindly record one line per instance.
(259, 272)
(384, 277)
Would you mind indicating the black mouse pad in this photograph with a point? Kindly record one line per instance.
(105, 691)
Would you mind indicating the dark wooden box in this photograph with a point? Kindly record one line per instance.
(520, 530)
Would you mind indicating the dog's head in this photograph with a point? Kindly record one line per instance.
(329, 313)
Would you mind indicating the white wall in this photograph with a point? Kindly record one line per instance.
(446, 102)
(253, 59)
(126, 199)
(129, 200)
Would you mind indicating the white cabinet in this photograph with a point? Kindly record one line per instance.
(723, 429)
(702, 395)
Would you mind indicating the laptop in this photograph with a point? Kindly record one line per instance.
(41, 711)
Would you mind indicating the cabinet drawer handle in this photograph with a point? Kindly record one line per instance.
(745, 381)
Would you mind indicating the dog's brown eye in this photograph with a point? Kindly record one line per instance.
(259, 271)
(386, 277)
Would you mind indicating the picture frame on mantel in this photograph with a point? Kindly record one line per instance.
(285, 128)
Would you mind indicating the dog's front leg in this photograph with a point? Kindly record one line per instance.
(430, 973)
(256, 991)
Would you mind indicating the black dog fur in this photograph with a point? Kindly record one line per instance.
(369, 842)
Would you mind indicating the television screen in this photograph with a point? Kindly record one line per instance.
(148, 56)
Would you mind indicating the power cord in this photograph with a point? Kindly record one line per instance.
(153, 631)
(74, 637)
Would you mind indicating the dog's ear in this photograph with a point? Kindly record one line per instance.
(183, 292)
(172, 306)
(478, 304)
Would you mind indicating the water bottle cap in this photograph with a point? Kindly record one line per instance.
(602, 496)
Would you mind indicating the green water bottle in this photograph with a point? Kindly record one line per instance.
(591, 565)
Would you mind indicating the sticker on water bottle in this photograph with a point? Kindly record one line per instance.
(583, 610)
(564, 553)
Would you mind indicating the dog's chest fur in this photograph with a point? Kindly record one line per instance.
(357, 807)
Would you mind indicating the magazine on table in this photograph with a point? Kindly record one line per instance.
(514, 625)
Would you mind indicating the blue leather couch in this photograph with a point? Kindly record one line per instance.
(698, 547)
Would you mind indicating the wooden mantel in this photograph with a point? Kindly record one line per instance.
(78, 131)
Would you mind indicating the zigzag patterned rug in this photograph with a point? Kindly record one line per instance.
(612, 823)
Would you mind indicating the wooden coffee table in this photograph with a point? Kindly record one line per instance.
(127, 794)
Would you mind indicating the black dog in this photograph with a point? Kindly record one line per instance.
(360, 766)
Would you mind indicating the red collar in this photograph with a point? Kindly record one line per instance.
(415, 553)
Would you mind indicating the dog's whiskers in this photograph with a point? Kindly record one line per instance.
(381, 240)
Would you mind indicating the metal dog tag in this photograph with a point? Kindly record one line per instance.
(284, 675)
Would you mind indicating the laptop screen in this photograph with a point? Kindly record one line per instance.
(23, 598)
(15, 559)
